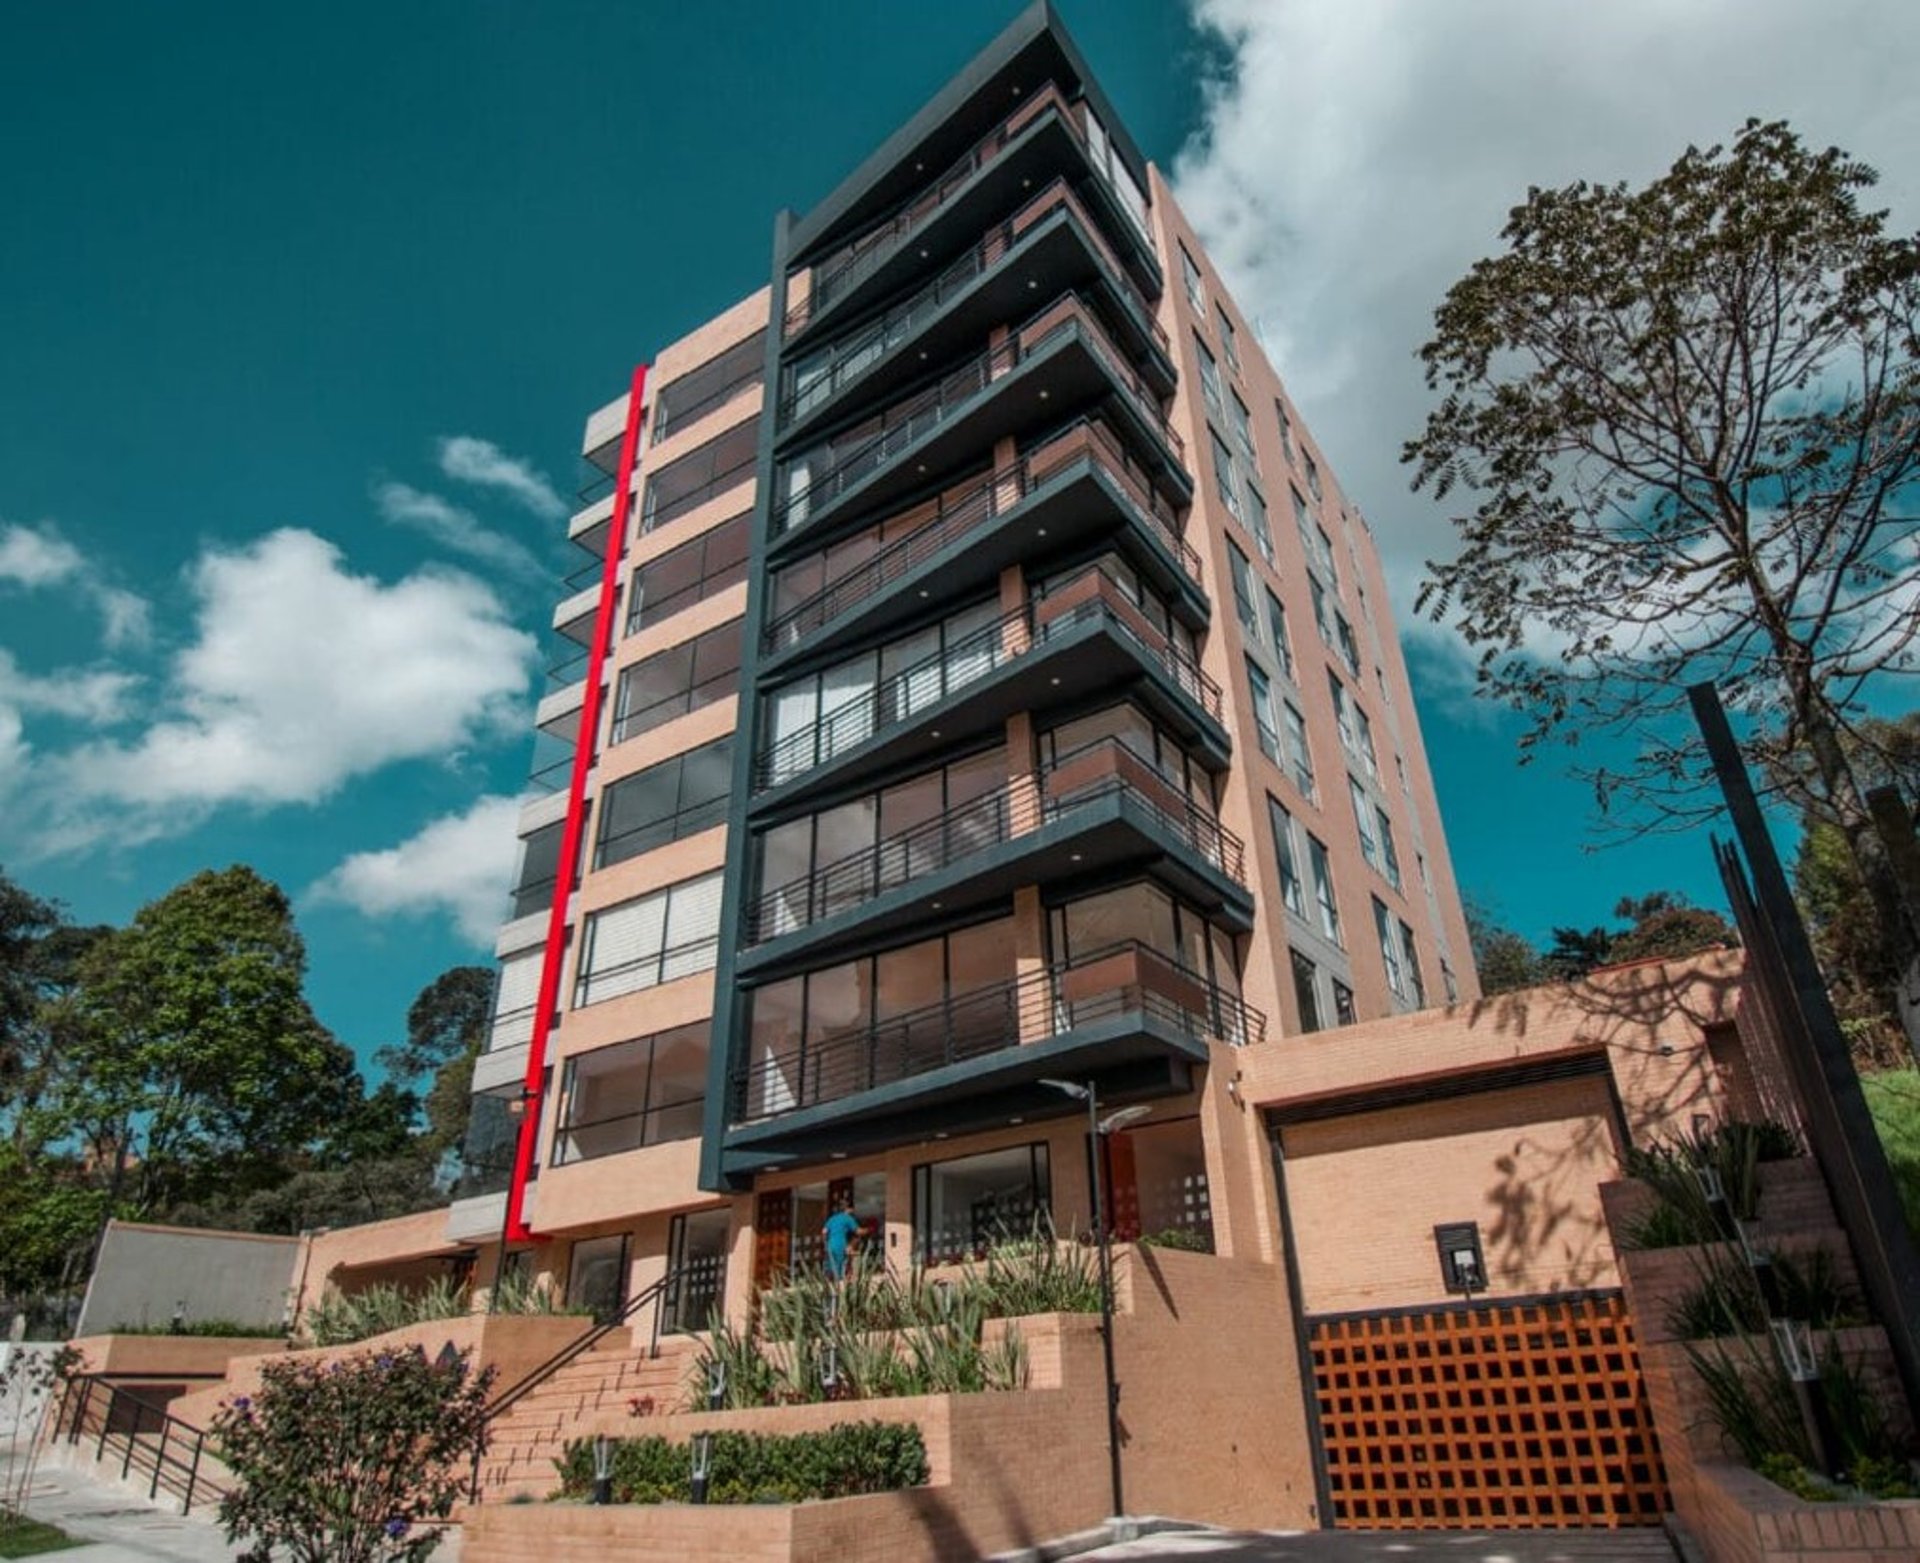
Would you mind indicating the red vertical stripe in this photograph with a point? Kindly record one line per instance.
(516, 1228)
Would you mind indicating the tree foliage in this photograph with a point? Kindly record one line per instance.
(1660, 926)
(1689, 416)
(349, 1461)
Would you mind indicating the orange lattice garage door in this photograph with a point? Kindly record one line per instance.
(1497, 1415)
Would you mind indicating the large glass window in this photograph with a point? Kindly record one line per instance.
(1389, 855)
(1291, 890)
(1145, 914)
(1306, 992)
(697, 1257)
(1262, 690)
(649, 940)
(1241, 422)
(1389, 949)
(1363, 819)
(1128, 726)
(1257, 523)
(1326, 908)
(1224, 476)
(680, 679)
(708, 470)
(539, 867)
(1299, 752)
(1414, 975)
(1240, 568)
(1229, 342)
(1286, 427)
(691, 573)
(961, 1208)
(1196, 289)
(711, 386)
(643, 1092)
(665, 802)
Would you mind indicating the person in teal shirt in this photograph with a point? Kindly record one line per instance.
(842, 1227)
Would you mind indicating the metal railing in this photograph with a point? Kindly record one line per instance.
(902, 424)
(838, 272)
(889, 703)
(1085, 440)
(174, 1456)
(1007, 812)
(989, 1020)
(861, 350)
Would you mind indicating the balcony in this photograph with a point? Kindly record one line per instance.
(558, 714)
(1075, 486)
(1085, 640)
(1031, 146)
(1127, 1017)
(1102, 809)
(1050, 246)
(1059, 361)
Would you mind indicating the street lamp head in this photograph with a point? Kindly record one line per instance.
(1070, 1087)
(1120, 1119)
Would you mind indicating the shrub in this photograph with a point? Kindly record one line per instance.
(232, 1328)
(1784, 1470)
(341, 1463)
(1682, 1214)
(338, 1319)
(1750, 1399)
(1188, 1239)
(849, 1458)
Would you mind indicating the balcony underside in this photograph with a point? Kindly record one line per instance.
(1130, 1057)
(1077, 506)
(1079, 663)
(1062, 378)
(1054, 256)
(1106, 836)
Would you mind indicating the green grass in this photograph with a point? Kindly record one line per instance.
(24, 1538)
(1893, 1095)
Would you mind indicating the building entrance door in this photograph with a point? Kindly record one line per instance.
(597, 1276)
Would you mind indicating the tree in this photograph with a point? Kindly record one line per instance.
(1690, 414)
(343, 1462)
(1505, 960)
(197, 1064)
(447, 1028)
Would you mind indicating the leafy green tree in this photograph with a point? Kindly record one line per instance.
(1690, 417)
(446, 1031)
(48, 1221)
(1505, 960)
(353, 1461)
(197, 1063)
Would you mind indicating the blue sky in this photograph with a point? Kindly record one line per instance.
(262, 265)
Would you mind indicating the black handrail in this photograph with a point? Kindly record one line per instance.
(906, 421)
(581, 1344)
(985, 821)
(988, 1020)
(178, 1461)
(988, 497)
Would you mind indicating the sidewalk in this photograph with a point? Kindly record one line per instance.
(123, 1527)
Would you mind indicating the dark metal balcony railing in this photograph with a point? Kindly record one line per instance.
(890, 702)
(646, 971)
(1126, 979)
(900, 425)
(980, 502)
(1008, 812)
(568, 670)
(861, 350)
(839, 271)
(551, 777)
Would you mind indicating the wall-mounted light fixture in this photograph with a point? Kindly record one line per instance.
(1463, 1265)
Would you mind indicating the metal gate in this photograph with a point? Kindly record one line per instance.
(1501, 1415)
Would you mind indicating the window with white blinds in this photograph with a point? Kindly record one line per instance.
(514, 1001)
(641, 943)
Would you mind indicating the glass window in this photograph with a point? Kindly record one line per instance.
(1299, 752)
(633, 1094)
(1414, 977)
(649, 940)
(1363, 821)
(1196, 289)
(1342, 715)
(691, 573)
(1344, 1013)
(678, 680)
(1389, 949)
(1302, 520)
(1224, 476)
(1306, 991)
(1262, 690)
(705, 472)
(1257, 522)
(1363, 729)
(1229, 343)
(1326, 908)
(1343, 638)
(697, 1248)
(1241, 569)
(539, 868)
(665, 802)
(1242, 424)
(961, 1208)
(516, 996)
(1321, 619)
(712, 385)
(1209, 378)
(1449, 982)
(1389, 856)
(1277, 633)
(1286, 427)
(1313, 478)
(1291, 890)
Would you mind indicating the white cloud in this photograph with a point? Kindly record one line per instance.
(300, 677)
(36, 556)
(1361, 154)
(459, 530)
(94, 697)
(457, 864)
(466, 459)
(39, 557)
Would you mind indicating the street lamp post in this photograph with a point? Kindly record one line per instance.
(1098, 1132)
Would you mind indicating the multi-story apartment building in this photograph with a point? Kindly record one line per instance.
(985, 683)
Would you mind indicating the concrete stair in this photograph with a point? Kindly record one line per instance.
(599, 1385)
